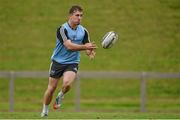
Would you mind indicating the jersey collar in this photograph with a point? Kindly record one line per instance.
(71, 27)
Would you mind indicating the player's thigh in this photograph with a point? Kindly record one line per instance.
(53, 82)
(69, 77)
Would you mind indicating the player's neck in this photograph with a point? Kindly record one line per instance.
(73, 26)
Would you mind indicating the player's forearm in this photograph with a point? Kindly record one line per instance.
(73, 47)
(77, 47)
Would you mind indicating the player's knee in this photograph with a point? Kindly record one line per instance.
(51, 89)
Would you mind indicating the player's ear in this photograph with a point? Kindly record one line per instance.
(70, 16)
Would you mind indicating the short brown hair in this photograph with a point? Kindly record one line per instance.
(75, 8)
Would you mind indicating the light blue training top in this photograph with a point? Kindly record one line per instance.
(78, 36)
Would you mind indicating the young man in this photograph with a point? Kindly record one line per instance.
(70, 40)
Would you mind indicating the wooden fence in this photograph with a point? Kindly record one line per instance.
(106, 75)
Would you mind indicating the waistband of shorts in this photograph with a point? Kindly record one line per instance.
(64, 64)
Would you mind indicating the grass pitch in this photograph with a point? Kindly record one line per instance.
(148, 33)
(149, 41)
(89, 115)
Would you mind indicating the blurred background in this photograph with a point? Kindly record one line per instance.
(149, 40)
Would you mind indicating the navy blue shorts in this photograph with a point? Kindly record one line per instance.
(57, 70)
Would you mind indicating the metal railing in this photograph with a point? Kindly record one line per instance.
(106, 75)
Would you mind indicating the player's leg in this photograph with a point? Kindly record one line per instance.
(53, 82)
(55, 74)
(69, 77)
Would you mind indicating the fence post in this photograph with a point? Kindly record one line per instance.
(11, 91)
(143, 92)
(77, 94)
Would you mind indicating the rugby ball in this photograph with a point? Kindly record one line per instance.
(109, 39)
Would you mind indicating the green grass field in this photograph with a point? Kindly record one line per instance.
(118, 98)
(90, 115)
(149, 33)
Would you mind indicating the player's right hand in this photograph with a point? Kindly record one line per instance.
(91, 46)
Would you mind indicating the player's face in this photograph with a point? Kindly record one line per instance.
(76, 17)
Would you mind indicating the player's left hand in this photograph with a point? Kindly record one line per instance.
(91, 54)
